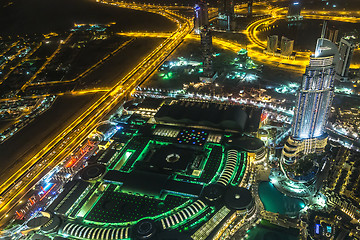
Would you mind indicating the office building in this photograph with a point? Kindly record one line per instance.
(294, 11)
(206, 47)
(313, 104)
(250, 7)
(201, 17)
(272, 43)
(226, 8)
(226, 14)
(346, 50)
(202, 27)
(286, 46)
(332, 34)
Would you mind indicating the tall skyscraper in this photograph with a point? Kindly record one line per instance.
(286, 46)
(201, 16)
(226, 14)
(272, 43)
(202, 28)
(206, 47)
(346, 50)
(250, 7)
(313, 105)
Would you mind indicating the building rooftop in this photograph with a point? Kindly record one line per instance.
(150, 103)
(214, 115)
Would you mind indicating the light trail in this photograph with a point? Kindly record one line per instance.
(77, 92)
(302, 58)
(86, 72)
(78, 130)
(144, 34)
(255, 49)
(332, 18)
(260, 57)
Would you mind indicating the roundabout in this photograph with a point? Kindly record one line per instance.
(257, 45)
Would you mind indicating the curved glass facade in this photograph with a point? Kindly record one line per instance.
(314, 102)
(316, 94)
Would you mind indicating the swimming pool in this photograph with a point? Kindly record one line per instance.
(276, 202)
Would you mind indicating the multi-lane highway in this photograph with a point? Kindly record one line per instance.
(83, 74)
(17, 185)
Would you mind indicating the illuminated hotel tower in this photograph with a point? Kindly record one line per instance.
(313, 104)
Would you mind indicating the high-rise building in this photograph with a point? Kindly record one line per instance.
(226, 14)
(346, 50)
(201, 17)
(250, 7)
(202, 28)
(272, 43)
(332, 34)
(206, 47)
(286, 46)
(313, 104)
(294, 11)
(226, 8)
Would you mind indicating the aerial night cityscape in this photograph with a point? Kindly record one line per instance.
(180, 119)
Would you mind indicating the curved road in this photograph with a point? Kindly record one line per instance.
(14, 188)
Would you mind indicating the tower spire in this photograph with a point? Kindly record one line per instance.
(320, 41)
(324, 29)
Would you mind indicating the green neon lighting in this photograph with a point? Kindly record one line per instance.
(123, 159)
(167, 76)
(240, 170)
